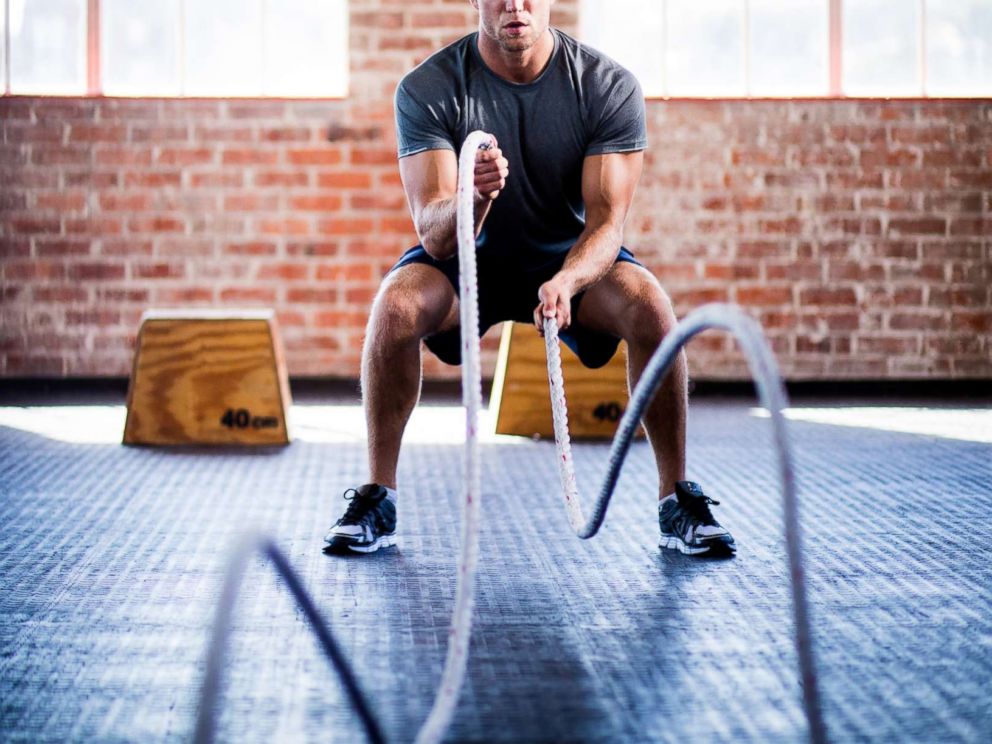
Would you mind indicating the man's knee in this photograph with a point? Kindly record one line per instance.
(648, 319)
(411, 304)
(647, 313)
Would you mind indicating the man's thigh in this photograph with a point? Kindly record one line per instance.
(425, 292)
(627, 292)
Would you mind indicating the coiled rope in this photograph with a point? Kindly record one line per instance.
(772, 396)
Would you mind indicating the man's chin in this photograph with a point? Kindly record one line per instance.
(516, 43)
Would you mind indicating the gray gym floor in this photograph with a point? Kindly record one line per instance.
(111, 559)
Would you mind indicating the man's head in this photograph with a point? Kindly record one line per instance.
(515, 25)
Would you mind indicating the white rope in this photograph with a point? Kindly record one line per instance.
(461, 620)
(559, 414)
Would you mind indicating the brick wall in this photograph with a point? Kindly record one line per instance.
(858, 232)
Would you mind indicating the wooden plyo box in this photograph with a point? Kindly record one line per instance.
(521, 400)
(208, 377)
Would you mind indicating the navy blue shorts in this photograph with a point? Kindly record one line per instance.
(508, 292)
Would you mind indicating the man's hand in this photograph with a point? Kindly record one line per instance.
(491, 170)
(555, 297)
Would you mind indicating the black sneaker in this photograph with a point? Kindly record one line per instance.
(368, 524)
(688, 526)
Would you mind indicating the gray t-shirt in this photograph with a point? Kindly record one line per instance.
(583, 103)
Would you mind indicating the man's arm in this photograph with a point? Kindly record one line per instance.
(608, 183)
(430, 180)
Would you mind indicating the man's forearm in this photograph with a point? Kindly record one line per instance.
(438, 226)
(592, 256)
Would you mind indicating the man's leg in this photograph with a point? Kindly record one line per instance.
(414, 301)
(628, 302)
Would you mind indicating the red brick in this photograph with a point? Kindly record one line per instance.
(91, 179)
(126, 201)
(344, 272)
(11, 247)
(253, 248)
(313, 248)
(159, 270)
(764, 295)
(251, 202)
(62, 294)
(53, 155)
(918, 226)
(315, 156)
(92, 317)
(125, 296)
(398, 225)
(346, 180)
(35, 225)
(97, 133)
(917, 322)
(123, 156)
(340, 319)
(222, 134)
(222, 179)
(125, 247)
(286, 134)
(977, 226)
(311, 203)
(49, 248)
(183, 295)
(311, 295)
(287, 271)
(157, 224)
(249, 157)
(157, 133)
(281, 178)
(373, 156)
(287, 226)
(887, 345)
(827, 296)
(184, 156)
(248, 294)
(153, 179)
(96, 270)
(343, 226)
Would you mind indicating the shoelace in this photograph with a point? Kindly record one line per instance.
(699, 508)
(359, 509)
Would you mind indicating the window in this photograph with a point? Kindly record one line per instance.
(47, 43)
(287, 48)
(775, 48)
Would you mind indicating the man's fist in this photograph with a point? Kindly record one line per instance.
(555, 302)
(491, 170)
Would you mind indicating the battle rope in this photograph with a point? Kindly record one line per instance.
(772, 395)
(210, 692)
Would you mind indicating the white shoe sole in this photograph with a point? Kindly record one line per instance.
(383, 541)
(674, 543)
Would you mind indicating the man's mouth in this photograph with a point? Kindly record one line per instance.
(515, 24)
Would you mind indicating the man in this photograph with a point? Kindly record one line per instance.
(551, 198)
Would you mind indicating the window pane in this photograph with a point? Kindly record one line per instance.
(3, 49)
(306, 48)
(223, 48)
(139, 47)
(48, 46)
(789, 40)
(881, 48)
(959, 48)
(705, 41)
(630, 31)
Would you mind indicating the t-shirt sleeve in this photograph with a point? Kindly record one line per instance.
(419, 127)
(621, 126)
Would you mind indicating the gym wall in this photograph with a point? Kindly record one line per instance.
(859, 232)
